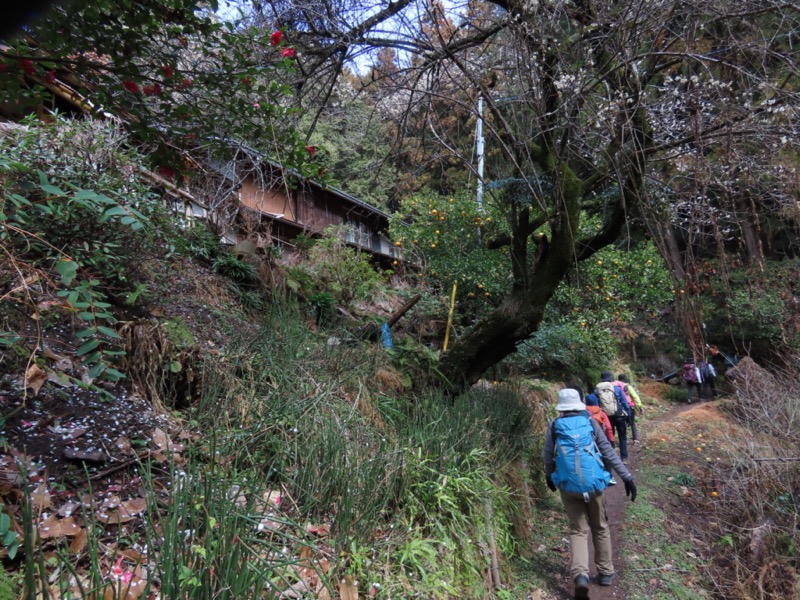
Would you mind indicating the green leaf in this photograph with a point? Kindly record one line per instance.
(9, 538)
(114, 211)
(114, 375)
(175, 366)
(87, 347)
(86, 316)
(97, 370)
(5, 522)
(68, 269)
(92, 358)
(20, 200)
(50, 189)
(108, 331)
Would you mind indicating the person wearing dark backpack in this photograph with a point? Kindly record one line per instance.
(635, 403)
(709, 375)
(691, 375)
(613, 402)
(575, 451)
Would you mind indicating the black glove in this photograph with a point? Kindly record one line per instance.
(550, 484)
(630, 489)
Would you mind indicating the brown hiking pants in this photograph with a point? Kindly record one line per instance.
(583, 517)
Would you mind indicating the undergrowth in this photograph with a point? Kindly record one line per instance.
(412, 491)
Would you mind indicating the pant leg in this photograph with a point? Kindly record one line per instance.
(601, 535)
(689, 391)
(634, 432)
(578, 515)
(620, 425)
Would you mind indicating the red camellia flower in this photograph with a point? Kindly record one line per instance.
(289, 53)
(275, 38)
(167, 71)
(130, 86)
(152, 90)
(3, 67)
(50, 77)
(166, 172)
(246, 81)
(26, 64)
(311, 150)
(187, 83)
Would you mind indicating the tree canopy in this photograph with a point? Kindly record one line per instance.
(604, 120)
(651, 116)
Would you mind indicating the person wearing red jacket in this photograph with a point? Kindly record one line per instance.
(593, 406)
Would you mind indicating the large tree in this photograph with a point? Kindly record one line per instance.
(595, 107)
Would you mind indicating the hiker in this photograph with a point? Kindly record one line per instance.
(635, 402)
(709, 376)
(693, 379)
(613, 402)
(593, 408)
(574, 453)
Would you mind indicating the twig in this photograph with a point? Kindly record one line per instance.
(778, 459)
(109, 471)
(493, 546)
(665, 568)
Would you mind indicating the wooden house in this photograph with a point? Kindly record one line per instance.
(276, 206)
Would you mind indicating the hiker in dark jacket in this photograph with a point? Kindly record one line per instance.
(586, 512)
(619, 422)
(635, 402)
(709, 376)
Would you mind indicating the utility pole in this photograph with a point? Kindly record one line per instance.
(479, 136)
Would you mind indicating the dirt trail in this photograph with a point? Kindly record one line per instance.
(616, 501)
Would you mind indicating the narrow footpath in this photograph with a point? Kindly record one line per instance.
(668, 451)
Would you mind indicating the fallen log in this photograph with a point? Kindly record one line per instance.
(372, 331)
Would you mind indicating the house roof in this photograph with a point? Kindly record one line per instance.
(67, 92)
(261, 158)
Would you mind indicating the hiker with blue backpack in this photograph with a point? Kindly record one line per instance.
(615, 404)
(575, 452)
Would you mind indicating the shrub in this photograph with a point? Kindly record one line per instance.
(235, 269)
(200, 243)
(334, 267)
(86, 240)
(757, 500)
(569, 348)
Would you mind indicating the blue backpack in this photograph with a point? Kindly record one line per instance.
(623, 406)
(579, 465)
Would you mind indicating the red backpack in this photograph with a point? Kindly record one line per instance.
(689, 373)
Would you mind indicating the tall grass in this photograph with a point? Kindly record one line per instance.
(383, 468)
(208, 532)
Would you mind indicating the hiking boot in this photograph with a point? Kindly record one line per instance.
(581, 587)
(605, 579)
(612, 482)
